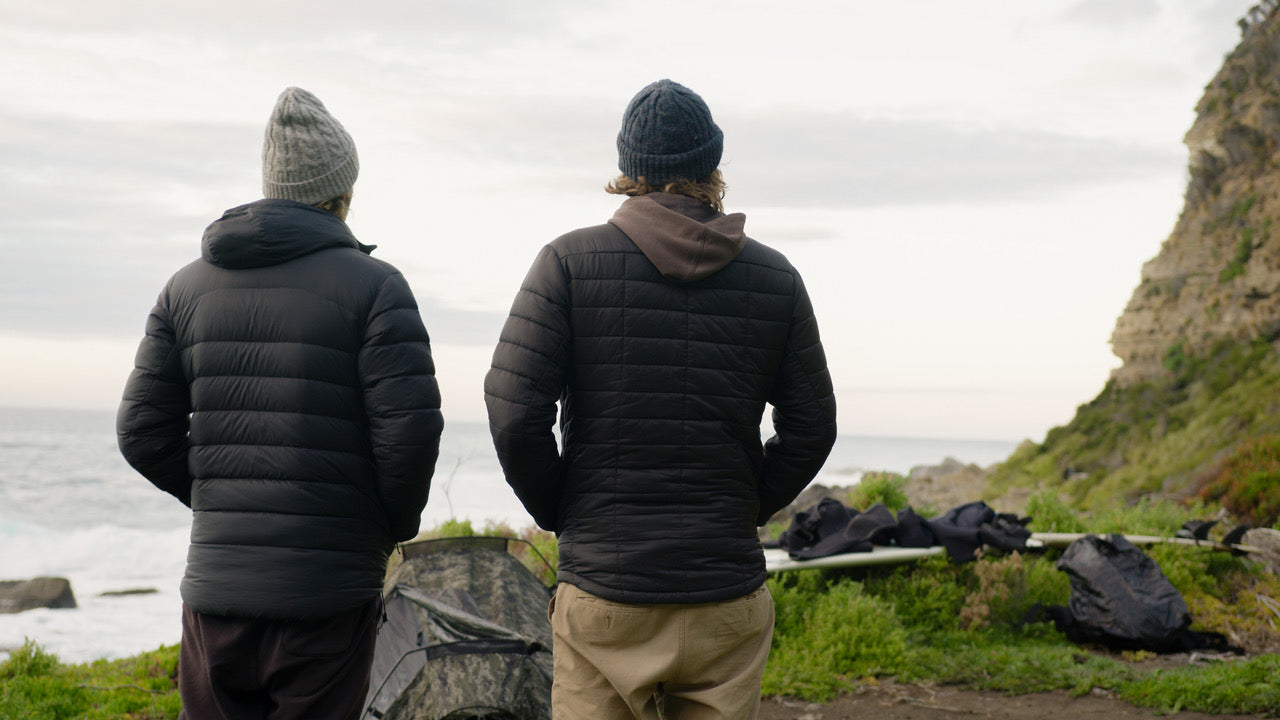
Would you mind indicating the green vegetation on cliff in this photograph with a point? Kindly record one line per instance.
(1171, 437)
(1192, 411)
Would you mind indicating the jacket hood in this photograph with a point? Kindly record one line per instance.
(685, 239)
(272, 231)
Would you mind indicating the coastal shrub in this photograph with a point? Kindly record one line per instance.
(1148, 516)
(1158, 436)
(1244, 250)
(879, 487)
(1049, 513)
(35, 686)
(1248, 483)
(1008, 587)
(998, 581)
(972, 624)
(829, 634)
(1175, 357)
(934, 588)
(30, 661)
(1242, 604)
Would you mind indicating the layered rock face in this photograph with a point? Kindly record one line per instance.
(1217, 276)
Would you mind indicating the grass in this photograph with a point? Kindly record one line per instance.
(1248, 483)
(35, 686)
(1240, 687)
(1167, 436)
(929, 622)
(965, 625)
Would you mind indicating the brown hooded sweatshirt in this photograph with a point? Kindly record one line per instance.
(684, 238)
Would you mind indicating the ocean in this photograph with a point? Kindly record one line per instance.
(71, 507)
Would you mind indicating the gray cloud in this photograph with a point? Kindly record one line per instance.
(806, 157)
(92, 216)
(439, 21)
(97, 215)
(1112, 14)
(820, 159)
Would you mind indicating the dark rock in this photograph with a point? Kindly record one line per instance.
(130, 591)
(48, 592)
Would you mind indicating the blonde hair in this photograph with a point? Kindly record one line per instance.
(339, 206)
(709, 190)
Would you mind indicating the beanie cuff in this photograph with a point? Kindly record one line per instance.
(318, 189)
(695, 164)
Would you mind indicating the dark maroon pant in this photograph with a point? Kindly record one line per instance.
(240, 669)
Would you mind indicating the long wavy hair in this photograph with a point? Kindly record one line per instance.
(709, 190)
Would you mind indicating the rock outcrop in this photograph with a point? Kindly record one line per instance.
(49, 592)
(1217, 276)
(952, 483)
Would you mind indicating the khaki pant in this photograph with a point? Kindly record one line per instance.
(677, 662)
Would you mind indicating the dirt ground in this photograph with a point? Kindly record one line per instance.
(890, 701)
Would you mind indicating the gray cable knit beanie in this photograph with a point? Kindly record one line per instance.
(307, 155)
(668, 134)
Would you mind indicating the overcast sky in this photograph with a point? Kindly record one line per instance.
(969, 189)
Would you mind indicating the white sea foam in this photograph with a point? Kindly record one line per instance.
(97, 560)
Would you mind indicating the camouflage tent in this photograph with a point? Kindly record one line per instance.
(466, 636)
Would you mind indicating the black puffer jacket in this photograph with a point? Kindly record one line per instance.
(663, 333)
(285, 391)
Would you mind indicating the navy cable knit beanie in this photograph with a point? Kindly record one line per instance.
(668, 134)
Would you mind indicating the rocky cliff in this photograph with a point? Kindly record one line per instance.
(1217, 276)
(1194, 412)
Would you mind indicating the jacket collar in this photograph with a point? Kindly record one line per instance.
(272, 231)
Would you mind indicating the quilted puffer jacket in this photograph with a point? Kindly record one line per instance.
(285, 391)
(662, 334)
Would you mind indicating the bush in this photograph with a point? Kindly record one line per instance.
(828, 635)
(1249, 482)
(934, 588)
(1147, 517)
(1157, 436)
(879, 487)
(35, 686)
(1002, 593)
(1049, 513)
(30, 661)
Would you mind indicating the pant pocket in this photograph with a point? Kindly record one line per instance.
(741, 618)
(604, 623)
(326, 637)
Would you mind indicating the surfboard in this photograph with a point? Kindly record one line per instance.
(1065, 539)
(777, 560)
